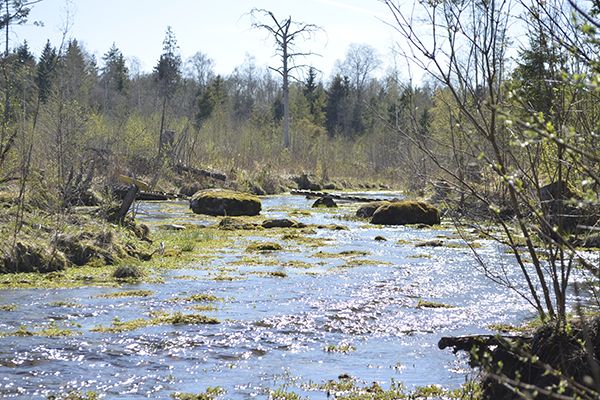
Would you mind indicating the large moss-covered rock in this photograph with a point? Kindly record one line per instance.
(367, 210)
(225, 202)
(32, 257)
(406, 212)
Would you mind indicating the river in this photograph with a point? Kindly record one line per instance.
(282, 325)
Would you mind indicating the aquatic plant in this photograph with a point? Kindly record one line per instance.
(211, 393)
(339, 348)
(198, 298)
(159, 318)
(264, 246)
(432, 304)
(281, 394)
(75, 395)
(127, 293)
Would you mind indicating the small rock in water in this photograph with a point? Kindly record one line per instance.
(325, 201)
(380, 239)
(430, 243)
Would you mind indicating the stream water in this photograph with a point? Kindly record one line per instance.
(274, 330)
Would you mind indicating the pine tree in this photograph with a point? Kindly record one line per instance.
(314, 94)
(167, 74)
(338, 107)
(45, 72)
(114, 73)
(168, 70)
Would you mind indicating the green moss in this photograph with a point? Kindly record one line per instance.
(275, 274)
(66, 304)
(346, 253)
(248, 261)
(187, 319)
(211, 393)
(432, 304)
(177, 318)
(281, 394)
(237, 223)
(202, 307)
(198, 298)
(361, 262)
(127, 293)
(225, 277)
(128, 272)
(297, 264)
(53, 330)
(75, 395)
(264, 246)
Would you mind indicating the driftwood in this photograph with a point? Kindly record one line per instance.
(121, 191)
(180, 168)
(312, 194)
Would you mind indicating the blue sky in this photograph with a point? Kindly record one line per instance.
(220, 29)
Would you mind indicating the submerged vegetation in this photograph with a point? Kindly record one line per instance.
(158, 318)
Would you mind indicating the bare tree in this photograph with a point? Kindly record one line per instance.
(200, 68)
(285, 32)
(361, 61)
(465, 52)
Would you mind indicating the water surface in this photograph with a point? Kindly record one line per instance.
(274, 330)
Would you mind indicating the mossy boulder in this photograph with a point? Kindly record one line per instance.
(325, 201)
(225, 202)
(234, 224)
(264, 247)
(367, 210)
(32, 257)
(282, 223)
(85, 247)
(405, 213)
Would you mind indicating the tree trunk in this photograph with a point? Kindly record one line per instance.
(286, 100)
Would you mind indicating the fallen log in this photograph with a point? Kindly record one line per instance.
(180, 168)
(121, 191)
(310, 194)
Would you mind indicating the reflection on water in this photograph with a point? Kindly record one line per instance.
(273, 329)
